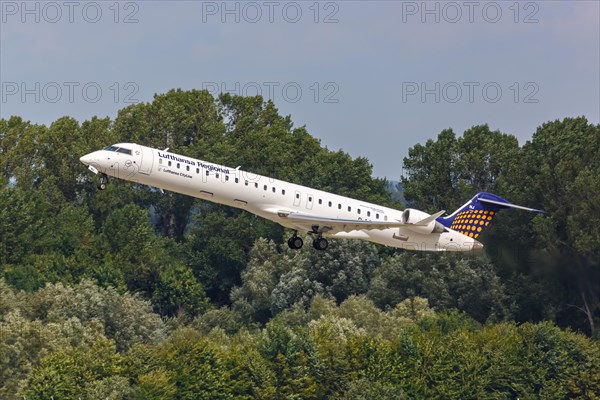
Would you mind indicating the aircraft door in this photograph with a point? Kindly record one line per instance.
(147, 160)
(309, 201)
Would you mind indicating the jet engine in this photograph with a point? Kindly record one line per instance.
(420, 222)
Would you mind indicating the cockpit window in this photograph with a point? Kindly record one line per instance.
(118, 149)
(124, 151)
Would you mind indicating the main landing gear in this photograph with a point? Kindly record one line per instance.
(295, 242)
(319, 243)
(103, 181)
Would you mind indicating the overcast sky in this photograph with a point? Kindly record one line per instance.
(370, 77)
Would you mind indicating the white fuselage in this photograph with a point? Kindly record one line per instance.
(264, 196)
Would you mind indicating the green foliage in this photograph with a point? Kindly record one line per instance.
(24, 342)
(364, 389)
(179, 293)
(39, 223)
(131, 252)
(111, 388)
(126, 318)
(156, 385)
(219, 244)
(224, 318)
(550, 263)
(74, 372)
(195, 365)
(467, 284)
(274, 281)
(408, 351)
(441, 174)
(129, 293)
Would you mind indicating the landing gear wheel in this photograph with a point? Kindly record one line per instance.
(295, 242)
(320, 243)
(103, 182)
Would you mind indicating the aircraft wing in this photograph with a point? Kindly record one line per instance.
(309, 222)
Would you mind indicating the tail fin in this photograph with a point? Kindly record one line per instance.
(476, 214)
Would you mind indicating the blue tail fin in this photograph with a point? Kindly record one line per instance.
(476, 214)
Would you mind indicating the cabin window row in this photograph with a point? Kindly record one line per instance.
(274, 190)
(339, 206)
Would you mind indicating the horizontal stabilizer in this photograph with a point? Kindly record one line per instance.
(427, 221)
(511, 205)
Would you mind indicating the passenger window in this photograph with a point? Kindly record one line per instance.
(197, 170)
(217, 175)
(297, 195)
(226, 177)
(358, 211)
(310, 198)
(236, 180)
(385, 217)
(207, 172)
(256, 185)
(377, 216)
(274, 189)
(170, 163)
(187, 167)
(349, 208)
(265, 187)
(368, 213)
(178, 165)
(246, 183)
(160, 160)
(339, 206)
(330, 204)
(320, 201)
(283, 192)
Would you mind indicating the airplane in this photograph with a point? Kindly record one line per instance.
(302, 209)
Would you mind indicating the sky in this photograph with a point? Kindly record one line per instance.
(372, 78)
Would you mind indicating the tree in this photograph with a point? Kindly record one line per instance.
(444, 173)
(218, 247)
(468, 284)
(561, 170)
(178, 293)
(275, 281)
(126, 318)
(129, 243)
(72, 371)
(196, 365)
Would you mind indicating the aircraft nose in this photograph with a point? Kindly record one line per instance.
(477, 245)
(87, 159)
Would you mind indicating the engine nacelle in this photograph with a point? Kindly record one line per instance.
(411, 217)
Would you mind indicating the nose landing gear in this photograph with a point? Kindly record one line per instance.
(103, 181)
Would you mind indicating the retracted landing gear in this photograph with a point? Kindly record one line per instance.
(295, 242)
(103, 181)
(320, 243)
